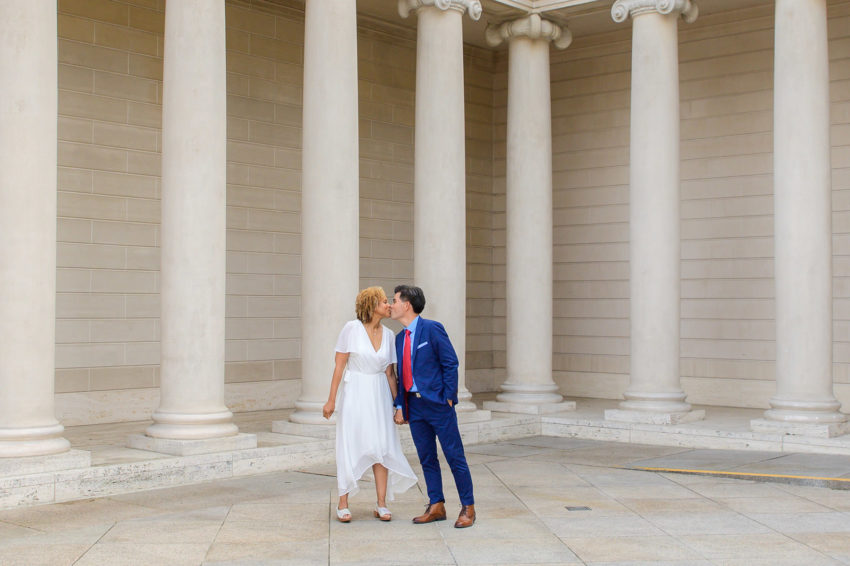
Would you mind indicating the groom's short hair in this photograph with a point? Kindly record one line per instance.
(413, 295)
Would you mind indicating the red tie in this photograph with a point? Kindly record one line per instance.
(406, 370)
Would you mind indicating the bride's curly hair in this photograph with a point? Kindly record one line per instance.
(367, 301)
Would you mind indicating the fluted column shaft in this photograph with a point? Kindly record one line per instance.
(28, 107)
(654, 206)
(193, 225)
(803, 235)
(529, 210)
(329, 196)
(440, 174)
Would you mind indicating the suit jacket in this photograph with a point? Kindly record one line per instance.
(434, 364)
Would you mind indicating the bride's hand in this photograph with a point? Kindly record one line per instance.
(328, 409)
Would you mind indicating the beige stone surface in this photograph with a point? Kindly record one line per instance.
(287, 518)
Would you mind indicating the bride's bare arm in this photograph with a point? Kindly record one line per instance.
(393, 381)
(340, 360)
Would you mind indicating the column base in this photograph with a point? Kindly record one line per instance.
(183, 447)
(309, 413)
(69, 460)
(529, 393)
(192, 426)
(810, 418)
(33, 441)
(653, 417)
(465, 404)
(816, 419)
(310, 430)
(530, 408)
(805, 412)
(655, 402)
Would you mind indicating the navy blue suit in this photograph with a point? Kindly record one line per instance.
(435, 367)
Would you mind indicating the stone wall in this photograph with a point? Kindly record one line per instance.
(110, 93)
(484, 349)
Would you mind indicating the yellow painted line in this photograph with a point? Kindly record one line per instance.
(742, 474)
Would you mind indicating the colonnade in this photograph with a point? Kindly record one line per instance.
(804, 402)
(192, 409)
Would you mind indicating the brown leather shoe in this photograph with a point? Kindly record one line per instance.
(466, 517)
(433, 512)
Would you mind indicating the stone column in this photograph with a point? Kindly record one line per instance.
(28, 107)
(804, 402)
(330, 222)
(192, 416)
(529, 387)
(654, 393)
(439, 238)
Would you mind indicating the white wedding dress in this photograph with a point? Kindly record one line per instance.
(365, 431)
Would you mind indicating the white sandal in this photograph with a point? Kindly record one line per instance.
(341, 515)
(383, 514)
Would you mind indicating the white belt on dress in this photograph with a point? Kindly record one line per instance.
(346, 377)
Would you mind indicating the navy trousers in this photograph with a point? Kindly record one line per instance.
(428, 422)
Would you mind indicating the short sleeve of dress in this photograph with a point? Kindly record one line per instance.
(390, 338)
(345, 342)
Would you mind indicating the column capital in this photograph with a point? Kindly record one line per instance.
(405, 7)
(531, 26)
(622, 9)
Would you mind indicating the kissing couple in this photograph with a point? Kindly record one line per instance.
(422, 393)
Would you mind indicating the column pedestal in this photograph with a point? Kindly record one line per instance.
(174, 447)
(309, 430)
(664, 417)
(526, 408)
(654, 394)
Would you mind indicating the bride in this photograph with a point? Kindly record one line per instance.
(365, 433)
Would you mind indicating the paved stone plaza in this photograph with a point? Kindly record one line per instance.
(530, 498)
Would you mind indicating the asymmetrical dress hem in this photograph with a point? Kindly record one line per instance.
(365, 431)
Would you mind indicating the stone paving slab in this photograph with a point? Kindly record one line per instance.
(540, 500)
(723, 438)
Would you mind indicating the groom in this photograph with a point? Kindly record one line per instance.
(427, 395)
